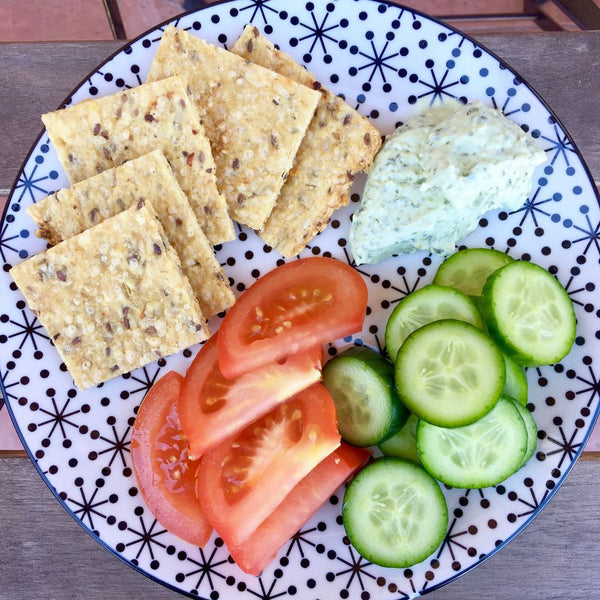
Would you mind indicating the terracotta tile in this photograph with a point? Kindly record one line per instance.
(50, 20)
(140, 15)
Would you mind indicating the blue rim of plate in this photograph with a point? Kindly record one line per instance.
(127, 46)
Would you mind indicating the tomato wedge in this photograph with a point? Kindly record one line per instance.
(298, 507)
(242, 480)
(213, 408)
(165, 475)
(301, 304)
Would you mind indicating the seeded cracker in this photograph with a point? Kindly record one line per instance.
(102, 133)
(254, 118)
(338, 144)
(89, 202)
(113, 298)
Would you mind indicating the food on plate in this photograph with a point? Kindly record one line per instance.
(515, 385)
(478, 455)
(253, 555)
(163, 470)
(361, 382)
(301, 304)
(70, 211)
(436, 175)
(212, 407)
(339, 143)
(113, 298)
(404, 443)
(425, 305)
(254, 118)
(529, 314)
(242, 481)
(102, 133)
(395, 513)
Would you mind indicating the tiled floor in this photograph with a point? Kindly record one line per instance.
(46, 20)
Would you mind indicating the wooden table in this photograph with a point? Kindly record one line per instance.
(43, 552)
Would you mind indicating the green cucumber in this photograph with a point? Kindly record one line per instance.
(467, 270)
(429, 303)
(516, 381)
(404, 443)
(361, 383)
(478, 455)
(395, 513)
(530, 427)
(449, 373)
(529, 314)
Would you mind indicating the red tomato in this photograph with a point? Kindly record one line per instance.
(165, 475)
(301, 304)
(298, 507)
(213, 408)
(242, 480)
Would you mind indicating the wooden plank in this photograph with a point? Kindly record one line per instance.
(45, 554)
(559, 65)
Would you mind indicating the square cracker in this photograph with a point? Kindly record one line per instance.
(102, 133)
(254, 118)
(339, 143)
(70, 211)
(113, 298)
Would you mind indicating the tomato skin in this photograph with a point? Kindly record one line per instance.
(159, 454)
(212, 408)
(242, 480)
(298, 305)
(253, 555)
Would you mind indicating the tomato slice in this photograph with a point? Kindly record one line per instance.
(301, 304)
(242, 480)
(212, 408)
(165, 475)
(253, 555)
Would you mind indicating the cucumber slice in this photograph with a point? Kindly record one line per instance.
(394, 513)
(530, 427)
(529, 314)
(361, 383)
(404, 443)
(516, 381)
(479, 455)
(449, 373)
(467, 270)
(428, 304)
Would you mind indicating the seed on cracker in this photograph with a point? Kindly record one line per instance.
(70, 211)
(254, 118)
(113, 298)
(102, 133)
(339, 143)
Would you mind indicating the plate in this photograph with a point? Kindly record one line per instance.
(384, 60)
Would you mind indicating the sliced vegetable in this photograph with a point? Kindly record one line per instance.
(467, 270)
(164, 472)
(530, 427)
(212, 408)
(298, 507)
(478, 455)
(515, 385)
(428, 304)
(361, 382)
(404, 443)
(529, 314)
(299, 305)
(394, 513)
(449, 373)
(241, 482)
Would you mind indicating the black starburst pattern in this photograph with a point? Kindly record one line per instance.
(205, 567)
(117, 446)
(437, 87)
(592, 386)
(378, 62)
(452, 541)
(355, 569)
(566, 447)
(8, 240)
(59, 417)
(28, 328)
(532, 503)
(559, 145)
(143, 379)
(256, 8)
(146, 538)
(87, 508)
(590, 237)
(532, 208)
(267, 592)
(319, 31)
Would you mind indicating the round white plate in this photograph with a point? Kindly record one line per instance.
(383, 59)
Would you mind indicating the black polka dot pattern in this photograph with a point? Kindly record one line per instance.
(385, 60)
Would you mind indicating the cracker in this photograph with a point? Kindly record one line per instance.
(113, 298)
(90, 201)
(338, 144)
(254, 118)
(102, 133)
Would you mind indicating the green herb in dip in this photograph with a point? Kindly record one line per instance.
(436, 175)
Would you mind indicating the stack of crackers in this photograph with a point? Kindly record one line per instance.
(159, 173)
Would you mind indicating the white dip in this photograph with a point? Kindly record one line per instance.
(436, 175)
